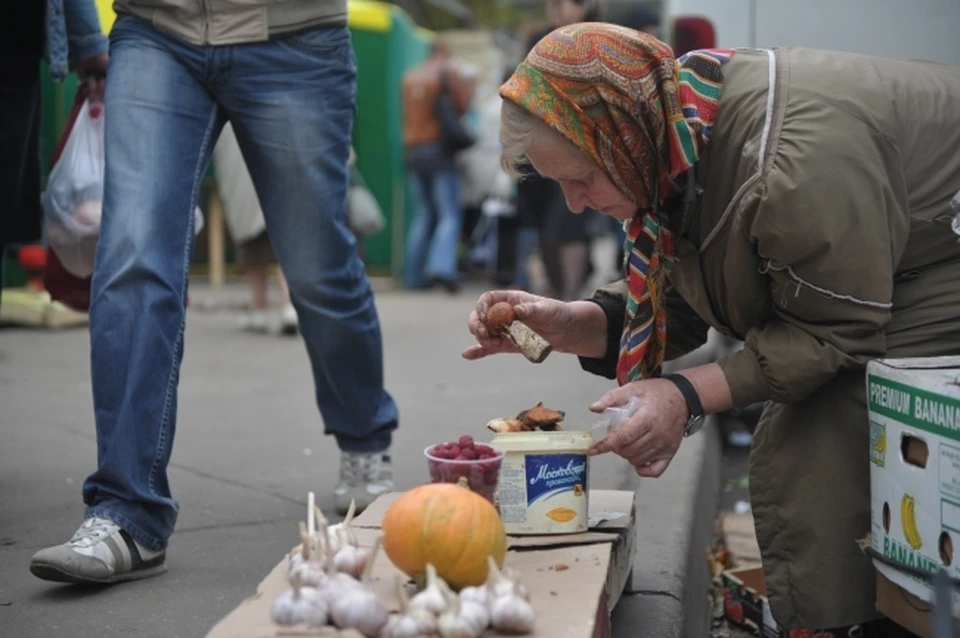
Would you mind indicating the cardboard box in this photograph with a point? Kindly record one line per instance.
(574, 580)
(914, 412)
(740, 537)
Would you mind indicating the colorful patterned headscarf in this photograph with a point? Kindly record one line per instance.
(643, 118)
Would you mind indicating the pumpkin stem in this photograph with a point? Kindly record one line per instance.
(463, 482)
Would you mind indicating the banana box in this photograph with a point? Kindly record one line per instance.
(914, 413)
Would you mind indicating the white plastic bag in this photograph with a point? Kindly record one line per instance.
(73, 198)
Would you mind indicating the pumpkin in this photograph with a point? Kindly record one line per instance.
(447, 526)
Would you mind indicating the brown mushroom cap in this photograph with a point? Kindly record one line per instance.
(500, 316)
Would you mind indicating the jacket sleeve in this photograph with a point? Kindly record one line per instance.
(829, 224)
(84, 36)
(686, 331)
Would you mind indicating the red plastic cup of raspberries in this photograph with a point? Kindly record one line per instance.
(479, 463)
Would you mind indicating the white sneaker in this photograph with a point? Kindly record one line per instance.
(288, 320)
(99, 552)
(363, 477)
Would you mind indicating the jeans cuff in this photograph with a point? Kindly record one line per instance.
(149, 542)
(380, 443)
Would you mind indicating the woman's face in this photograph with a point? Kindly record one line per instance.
(584, 184)
(564, 12)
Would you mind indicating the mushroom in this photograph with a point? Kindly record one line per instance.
(501, 319)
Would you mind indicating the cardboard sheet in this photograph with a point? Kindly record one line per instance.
(574, 580)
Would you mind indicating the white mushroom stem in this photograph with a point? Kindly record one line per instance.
(531, 345)
(311, 514)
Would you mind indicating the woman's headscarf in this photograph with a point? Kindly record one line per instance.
(643, 118)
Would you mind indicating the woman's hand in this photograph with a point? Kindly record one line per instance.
(652, 436)
(577, 327)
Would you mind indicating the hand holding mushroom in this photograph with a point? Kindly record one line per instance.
(515, 321)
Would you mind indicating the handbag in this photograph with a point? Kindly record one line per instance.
(454, 134)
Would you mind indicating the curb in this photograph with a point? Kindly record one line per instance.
(667, 596)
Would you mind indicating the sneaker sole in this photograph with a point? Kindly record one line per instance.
(47, 571)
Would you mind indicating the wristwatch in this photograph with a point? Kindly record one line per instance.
(694, 407)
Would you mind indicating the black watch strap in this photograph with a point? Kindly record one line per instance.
(694, 407)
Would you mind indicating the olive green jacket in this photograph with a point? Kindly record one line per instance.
(822, 240)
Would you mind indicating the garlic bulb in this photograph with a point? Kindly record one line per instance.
(306, 568)
(402, 626)
(505, 583)
(424, 622)
(477, 616)
(359, 609)
(512, 614)
(432, 597)
(478, 595)
(518, 588)
(452, 623)
(351, 560)
(300, 605)
(356, 606)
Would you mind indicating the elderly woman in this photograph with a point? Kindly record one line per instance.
(794, 199)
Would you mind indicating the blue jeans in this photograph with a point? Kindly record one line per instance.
(291, 103)
(434, 237)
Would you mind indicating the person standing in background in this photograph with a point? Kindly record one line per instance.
(284, 74)
(248, 230)
(434, 239)
(67, 34)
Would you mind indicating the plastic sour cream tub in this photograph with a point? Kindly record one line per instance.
(543, 482)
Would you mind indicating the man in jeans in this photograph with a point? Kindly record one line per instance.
(283, 73)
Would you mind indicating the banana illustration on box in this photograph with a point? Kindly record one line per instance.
(908, 519)
(880, 445)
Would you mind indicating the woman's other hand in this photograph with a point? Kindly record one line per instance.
(576, 327)
(651, 437)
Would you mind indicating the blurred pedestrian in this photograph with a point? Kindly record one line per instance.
(248, 229)
(434, 239)
(285, 76)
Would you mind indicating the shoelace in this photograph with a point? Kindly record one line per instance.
(92, 532)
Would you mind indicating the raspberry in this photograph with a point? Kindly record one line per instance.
(466, 441)
(483, 449)
(467, 454)
(454, 449)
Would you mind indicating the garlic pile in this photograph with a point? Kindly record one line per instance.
(330, 585)
(502, 602)
(330, 579)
